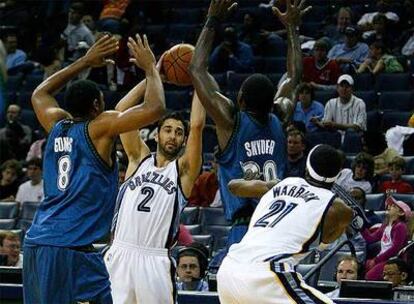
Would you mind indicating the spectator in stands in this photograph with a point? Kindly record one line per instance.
(346, 112)
(296, 154)
(32, 190)
(15, 57)
(379, 61)
(111, 14)
(381, 32)
(3, 77)
(307, 108)
(408, 48)
(383, 6)
(321, 72)
(396, 184)
(374, 143)
(191, 268)
(347, 268)
(10, 249)
(184, 236)
(205, 188)
(36, 149)
(396, 271)
(360, 197)
(336, 33)
(77, 36)
(232, 54)
(393, 234)
(10, 171)
(360, 174)
(89, 21)
(351, 53)
(15, 137)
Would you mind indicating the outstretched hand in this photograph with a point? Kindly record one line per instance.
(220, 8)
(293, 14)
(142, 54)
(105, 46)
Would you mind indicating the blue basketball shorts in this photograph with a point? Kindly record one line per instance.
(62, 275)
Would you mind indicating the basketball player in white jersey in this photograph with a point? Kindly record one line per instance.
(292, 218)
(149, 204)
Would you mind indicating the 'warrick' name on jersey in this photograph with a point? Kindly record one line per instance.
(153, 178)
(295, 191)
(259, 147)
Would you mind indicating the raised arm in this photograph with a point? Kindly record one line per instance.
(45, 105)
(190, 162)
(218, 107)
(112, 123)
(291, 19)
(337, 219)
(134, 146)
(250, 188)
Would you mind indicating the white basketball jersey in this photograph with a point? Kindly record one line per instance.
(286, 224)
(149, 205)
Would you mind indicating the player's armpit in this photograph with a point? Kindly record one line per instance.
(337, 219)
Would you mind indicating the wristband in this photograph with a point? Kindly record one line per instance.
(212, 22)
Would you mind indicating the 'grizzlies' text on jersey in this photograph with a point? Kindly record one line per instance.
(80, 190)
(286, 224)
(255, 151)
(149, 205)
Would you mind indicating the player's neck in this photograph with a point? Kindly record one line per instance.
(162, 160)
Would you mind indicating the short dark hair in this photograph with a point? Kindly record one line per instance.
(364, 195)
(176, 116)
(401, 264)
(78, 7)
(199, 251)
(380, 17)
(378, 44)
(257, 92)
(305, 87)
(11, 164)
(367, 160)
(35, 161)
(79, 97)
(350, 258)
(296, 132)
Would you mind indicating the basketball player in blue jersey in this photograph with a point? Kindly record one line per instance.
(149, 205)
(80, 178)
(251, 140)
(293, 217)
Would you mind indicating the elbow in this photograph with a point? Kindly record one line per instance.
(232, 186)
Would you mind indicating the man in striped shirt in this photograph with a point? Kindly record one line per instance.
(345, 112)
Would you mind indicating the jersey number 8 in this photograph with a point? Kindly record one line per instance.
(64, 166)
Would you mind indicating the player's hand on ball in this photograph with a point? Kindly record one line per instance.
(104, 47)
(141, 52)
(220, 8)
(293, 14)
(159, 68)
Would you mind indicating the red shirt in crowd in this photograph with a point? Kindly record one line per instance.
(400, 186)
(204, 190)
(327, 75)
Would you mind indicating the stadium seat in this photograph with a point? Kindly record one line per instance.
(375, 201)
(28, 117)
(392, 119)
(189, 216)
(9, 210)
(177, 100)
(352, 142)
(7, 224)
(274, 64)
(194, 229)
(405, 197)
(24, 224)
(206, 240)
(323, 137)
(13, 83)
(220, 243)
(397, 101)
(311, 29)
(178, 33)
(29, 210)
(212, 216)
(373, 120)
(363, 82)
(370, 99)
(24, 100)
(348, 160)
(409, 164)
(217, 231)
(324, 95)
(381, 214)
(392, 82)
(31, 82)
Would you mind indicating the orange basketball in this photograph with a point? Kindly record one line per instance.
(175, 64)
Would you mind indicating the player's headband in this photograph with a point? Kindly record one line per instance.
(313, 173)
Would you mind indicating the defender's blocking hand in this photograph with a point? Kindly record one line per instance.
(96, 55)
(142, 54)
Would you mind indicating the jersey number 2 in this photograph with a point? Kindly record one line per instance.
(276, 208)
(149, 193)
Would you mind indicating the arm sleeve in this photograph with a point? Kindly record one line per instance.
(361, 117)
(372, 237)
(399, 235)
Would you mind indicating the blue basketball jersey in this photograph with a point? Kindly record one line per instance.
(254, 151)
(80, 190)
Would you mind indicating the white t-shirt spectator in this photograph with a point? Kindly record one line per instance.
(369, 17)
(30, 193)
(346, 181)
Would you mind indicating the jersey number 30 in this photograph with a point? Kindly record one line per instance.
(149, 193)
(279, 209)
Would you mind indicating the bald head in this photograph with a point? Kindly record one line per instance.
(13, 112)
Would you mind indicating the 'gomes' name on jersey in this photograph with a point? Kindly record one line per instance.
(259, 147)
